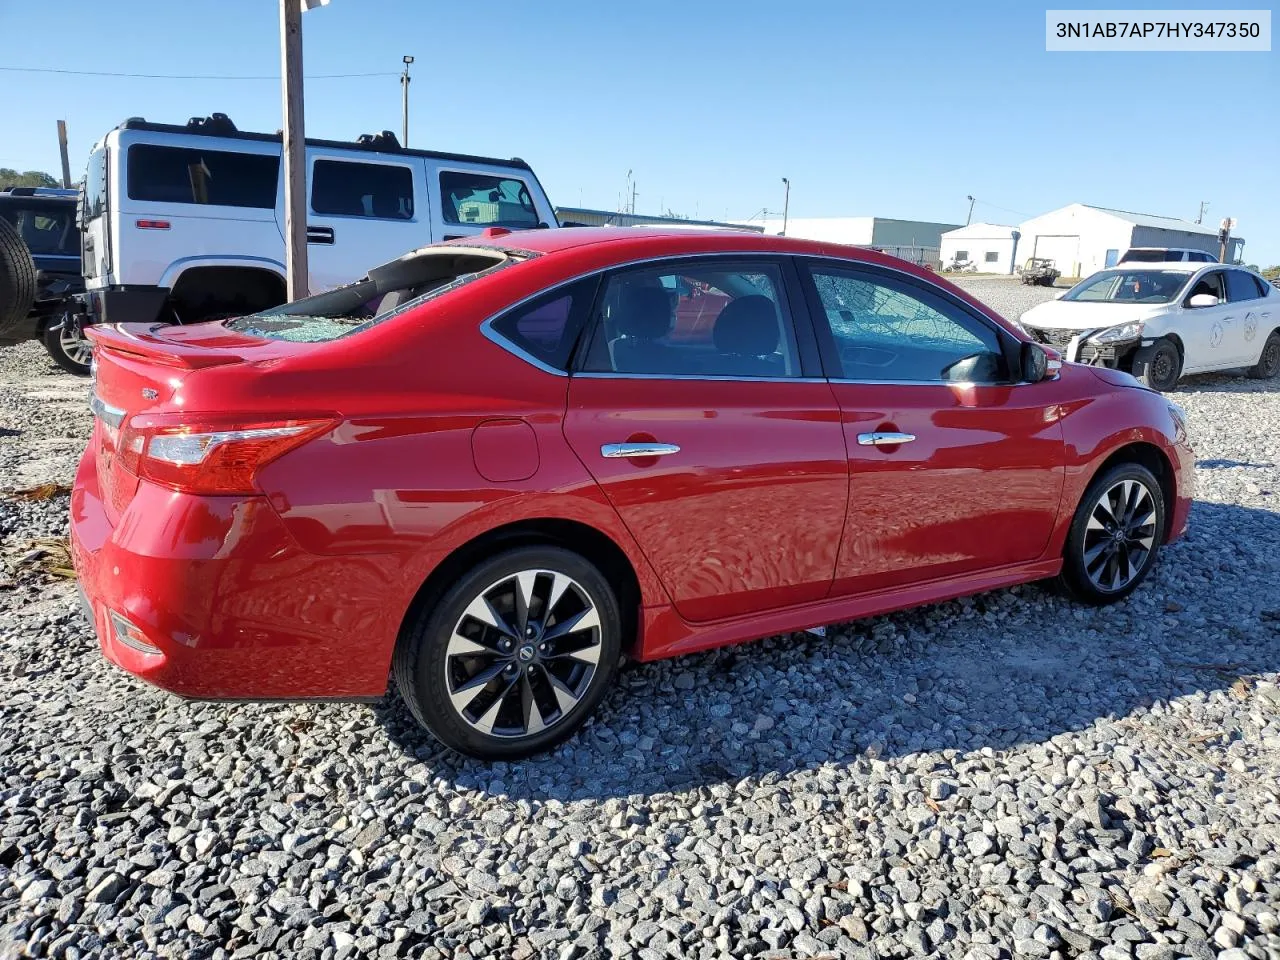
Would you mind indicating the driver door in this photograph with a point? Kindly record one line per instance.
(953, 468)
(1206, 332)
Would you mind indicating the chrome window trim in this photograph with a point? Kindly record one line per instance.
(486, 326)
(486, 330)
(604, 375)
(924, 383)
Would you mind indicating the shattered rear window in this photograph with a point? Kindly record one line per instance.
(388, 291)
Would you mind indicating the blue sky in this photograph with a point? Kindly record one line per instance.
(896, 110)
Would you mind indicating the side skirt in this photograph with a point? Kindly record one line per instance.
(665, 633)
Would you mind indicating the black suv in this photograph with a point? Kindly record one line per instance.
(45, 221)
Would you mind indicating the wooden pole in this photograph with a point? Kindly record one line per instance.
(294, 149)
(62, 147)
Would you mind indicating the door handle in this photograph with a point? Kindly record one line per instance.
(615, 451)
(884, 439)
(319, 234)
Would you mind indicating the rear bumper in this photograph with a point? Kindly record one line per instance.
(234, 608)
(126, 304)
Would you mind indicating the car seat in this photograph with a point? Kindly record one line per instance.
(644, 316)
(746, 334)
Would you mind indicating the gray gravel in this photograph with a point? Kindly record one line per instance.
(1004, 776)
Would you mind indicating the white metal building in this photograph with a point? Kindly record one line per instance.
(988, 246)
(916, 240)
(1081, 239)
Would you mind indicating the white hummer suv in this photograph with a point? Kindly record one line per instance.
(186, 222)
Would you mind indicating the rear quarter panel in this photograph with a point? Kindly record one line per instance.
(395, 488)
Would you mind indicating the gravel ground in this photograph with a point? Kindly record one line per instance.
(1004, 776)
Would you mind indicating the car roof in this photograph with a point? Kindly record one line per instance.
(628, 243)
(1181, 266)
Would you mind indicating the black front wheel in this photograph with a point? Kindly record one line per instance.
(1115, 536)
(514, 656)
(68, 346)
(1158, 366)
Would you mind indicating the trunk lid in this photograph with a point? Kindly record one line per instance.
(141, 368)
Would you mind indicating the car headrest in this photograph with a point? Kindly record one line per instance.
(644, 313)
(748, 327)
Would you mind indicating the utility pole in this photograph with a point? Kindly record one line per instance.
(1204, 205)
(786, 206)
(404, 100)
(1224, 238)
(62, 148)
(294, 148)
(969, 218)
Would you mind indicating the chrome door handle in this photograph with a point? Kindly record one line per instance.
(884, 439)
(616, 450)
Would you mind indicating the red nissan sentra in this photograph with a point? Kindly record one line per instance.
(495, 466)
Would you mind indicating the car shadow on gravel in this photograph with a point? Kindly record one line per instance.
(1000, 670)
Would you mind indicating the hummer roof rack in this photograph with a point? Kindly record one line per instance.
(220, 125)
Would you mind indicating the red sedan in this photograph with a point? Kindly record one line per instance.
(494, 467)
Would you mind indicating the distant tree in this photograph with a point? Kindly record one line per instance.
(32, 178)
(1272, 272)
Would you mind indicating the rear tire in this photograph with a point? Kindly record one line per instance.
(17, 278)
(512, 657)
(1268, 364)
(1158, 366)
(1115, 536)
(69, 348)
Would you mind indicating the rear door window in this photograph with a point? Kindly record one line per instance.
(345, 188)
(1241, 286)
(219, 178)
(694, 319)
(486, 200)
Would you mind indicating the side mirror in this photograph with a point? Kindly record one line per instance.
(1034, 363)
(1203, 300)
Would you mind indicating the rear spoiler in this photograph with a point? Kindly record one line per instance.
(141, 340)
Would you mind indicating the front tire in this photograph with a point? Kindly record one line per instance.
(1268, 364)
(1115, 536)
(514, 656)
(1158, 366)
(69, 348)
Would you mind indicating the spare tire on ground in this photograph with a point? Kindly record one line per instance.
(17, 280)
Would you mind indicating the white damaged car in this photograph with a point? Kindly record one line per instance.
(1159, 321)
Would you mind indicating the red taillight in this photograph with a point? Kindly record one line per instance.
(210, 458)
(152, 224)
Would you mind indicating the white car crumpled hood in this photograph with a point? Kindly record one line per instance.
(1072, 315)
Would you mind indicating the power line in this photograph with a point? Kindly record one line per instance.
(997, 206)
(191, 76)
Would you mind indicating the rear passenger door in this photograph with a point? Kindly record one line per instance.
(471, 198)
(698, 406)
(1251, 317)
(360, 213)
